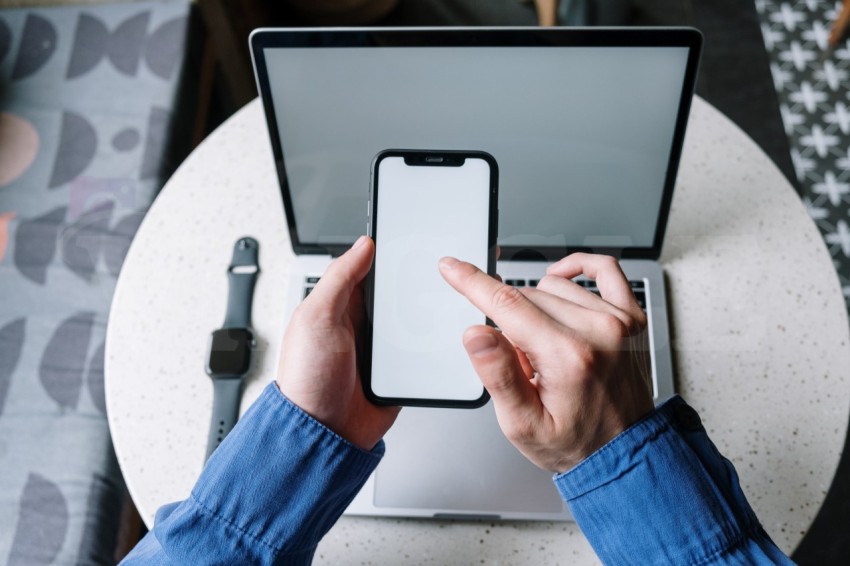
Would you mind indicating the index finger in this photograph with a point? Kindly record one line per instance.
(518, 317)
(606, 271)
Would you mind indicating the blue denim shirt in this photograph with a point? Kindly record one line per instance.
(659, 493)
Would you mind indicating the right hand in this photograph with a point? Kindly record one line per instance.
(570, 370)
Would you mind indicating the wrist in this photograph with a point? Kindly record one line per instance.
(290, 448)
(621, 492)
(328, 419)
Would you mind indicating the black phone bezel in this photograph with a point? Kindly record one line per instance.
(420, 158)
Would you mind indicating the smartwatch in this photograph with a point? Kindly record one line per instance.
(229, 348)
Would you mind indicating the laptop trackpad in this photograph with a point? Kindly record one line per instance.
(458, 460)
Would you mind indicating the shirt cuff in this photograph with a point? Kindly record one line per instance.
(281, 478)
(663, 486)
(618, 456)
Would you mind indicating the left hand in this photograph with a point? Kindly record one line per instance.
(318, 368)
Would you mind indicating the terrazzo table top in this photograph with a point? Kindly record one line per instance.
(760, 336)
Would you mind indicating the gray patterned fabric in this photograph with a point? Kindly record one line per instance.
(86, 99)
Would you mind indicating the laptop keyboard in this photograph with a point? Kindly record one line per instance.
(309, 283)
(638, 286)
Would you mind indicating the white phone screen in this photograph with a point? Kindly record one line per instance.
(423, 213)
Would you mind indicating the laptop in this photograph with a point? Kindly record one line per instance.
(586, 125)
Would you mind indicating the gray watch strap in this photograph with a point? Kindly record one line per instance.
(226, 396)
(241, 276)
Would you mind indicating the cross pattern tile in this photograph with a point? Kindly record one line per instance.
(813, 85)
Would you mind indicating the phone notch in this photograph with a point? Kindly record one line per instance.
(435, 159)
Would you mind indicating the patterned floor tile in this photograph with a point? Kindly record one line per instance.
(813, 84)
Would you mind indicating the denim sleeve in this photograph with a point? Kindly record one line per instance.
(268, 494)
(661, 493)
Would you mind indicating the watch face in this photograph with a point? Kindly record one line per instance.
(230, 352)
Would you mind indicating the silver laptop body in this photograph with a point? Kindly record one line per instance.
(587, 126)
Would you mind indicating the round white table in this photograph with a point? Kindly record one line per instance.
(760, 335)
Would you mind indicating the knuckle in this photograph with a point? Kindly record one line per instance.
(585, 359)
(608, 264)
(612, 325)
(547, 282)
(635, 321)
(609, 261)
(521, 430)
(506, 297)
(632, 325)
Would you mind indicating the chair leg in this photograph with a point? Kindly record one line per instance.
(547, 12)
(840, 26)
(231, 50)
(205, 88)
(130, 530)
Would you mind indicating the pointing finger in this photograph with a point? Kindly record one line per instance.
(503, 304)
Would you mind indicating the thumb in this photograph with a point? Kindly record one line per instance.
(497, 364)
(342, 277)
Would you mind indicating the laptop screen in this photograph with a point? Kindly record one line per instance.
(586, 137)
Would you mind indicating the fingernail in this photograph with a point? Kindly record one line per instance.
(359, 243)
(448, 263)
(482, 344)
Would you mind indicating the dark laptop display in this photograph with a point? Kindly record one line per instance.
(586, 126)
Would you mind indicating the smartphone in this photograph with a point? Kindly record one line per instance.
(424, 205)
